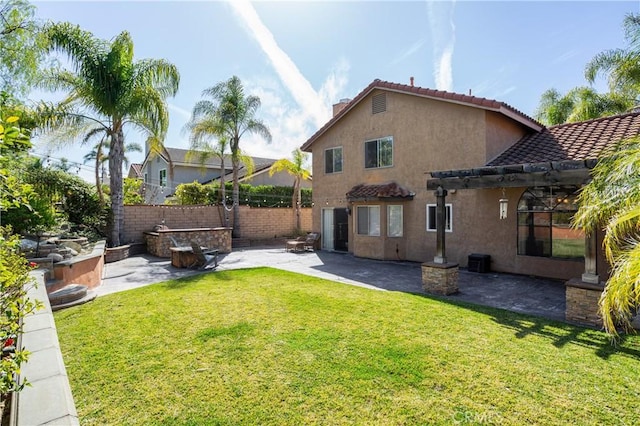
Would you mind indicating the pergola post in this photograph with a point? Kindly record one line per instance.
(590, 274)
(583, 294)
(439, 276)
(441, 219)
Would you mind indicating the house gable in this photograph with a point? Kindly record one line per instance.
(443, 96)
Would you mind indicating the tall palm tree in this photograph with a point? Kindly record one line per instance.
(98, 156)
(579, 104)
(612, 200)
(108, 89)
(295, 168)
(232, 114)
(621, 66)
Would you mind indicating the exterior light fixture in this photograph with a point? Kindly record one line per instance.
(504, 205)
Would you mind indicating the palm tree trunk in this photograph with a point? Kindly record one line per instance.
(236, 199)
(298, 190)
(223, 192)
(98, 180)
(116, 157)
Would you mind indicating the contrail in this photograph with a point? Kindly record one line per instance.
(301, 90)
(444, 38)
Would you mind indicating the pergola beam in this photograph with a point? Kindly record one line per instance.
(509, 180)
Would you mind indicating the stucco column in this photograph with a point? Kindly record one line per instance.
(590, 274)
(441, 219)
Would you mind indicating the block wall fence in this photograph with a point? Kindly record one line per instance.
(255, 223)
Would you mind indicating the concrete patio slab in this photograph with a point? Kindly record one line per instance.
(523, 294)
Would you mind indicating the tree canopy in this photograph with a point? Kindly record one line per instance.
(107, 92)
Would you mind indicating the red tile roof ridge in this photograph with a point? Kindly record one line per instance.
(595, 120)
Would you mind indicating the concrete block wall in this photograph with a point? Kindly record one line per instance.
(256, 223)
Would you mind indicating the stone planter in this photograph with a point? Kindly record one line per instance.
(114, 254)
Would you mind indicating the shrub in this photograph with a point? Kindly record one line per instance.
(249, 195)
(14, 306)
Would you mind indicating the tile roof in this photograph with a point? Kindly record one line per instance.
(573, 141)
(468, 100)
(179, 156)
(137, 169)
(386, 190)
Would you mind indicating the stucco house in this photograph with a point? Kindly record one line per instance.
(397, 157)
(160, 183)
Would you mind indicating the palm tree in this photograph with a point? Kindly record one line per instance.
(579, 104)
(296, 169)
(109, 90)
(98, 156)
(612, 200)
(231, 115)
(621, 66)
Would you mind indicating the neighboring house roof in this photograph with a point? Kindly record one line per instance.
(573, 141)
(381, 191)
(467, 100)
(179, 158)
(260, 165)
(135, 170)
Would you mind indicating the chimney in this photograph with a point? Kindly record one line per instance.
(411, 81)
(340, 106)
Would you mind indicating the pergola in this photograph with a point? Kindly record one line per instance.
(568, 172)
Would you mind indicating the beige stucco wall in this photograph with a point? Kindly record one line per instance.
(428, 135)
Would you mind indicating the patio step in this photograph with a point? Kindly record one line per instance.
(70, 295)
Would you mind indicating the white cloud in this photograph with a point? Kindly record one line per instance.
(290, 123)
(300, 89)
(443, 37)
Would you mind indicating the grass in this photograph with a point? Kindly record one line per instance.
(263, 346)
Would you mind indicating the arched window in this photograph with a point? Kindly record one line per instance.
(544, 223)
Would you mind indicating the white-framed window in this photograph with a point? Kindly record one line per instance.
(333, 160)
(394, 221)
(163, 177)
(378, 153)
(368, 220)
(431, 218)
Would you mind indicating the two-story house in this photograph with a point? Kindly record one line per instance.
(510, 183)
(163, 172)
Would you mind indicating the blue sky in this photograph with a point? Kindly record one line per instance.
(300, 57)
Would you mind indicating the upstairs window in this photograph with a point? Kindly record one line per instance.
(378, 153)
(163, 177)
(333, 160)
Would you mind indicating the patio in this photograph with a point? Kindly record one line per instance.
(522, 294)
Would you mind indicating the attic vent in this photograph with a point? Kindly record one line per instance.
(379, 103)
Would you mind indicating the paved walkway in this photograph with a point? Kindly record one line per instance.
(535, 296)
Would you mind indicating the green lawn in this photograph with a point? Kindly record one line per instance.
(263, 346)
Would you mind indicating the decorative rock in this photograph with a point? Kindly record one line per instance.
(72, 252)
(55, 257)
(72, 245)
(26, 244)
